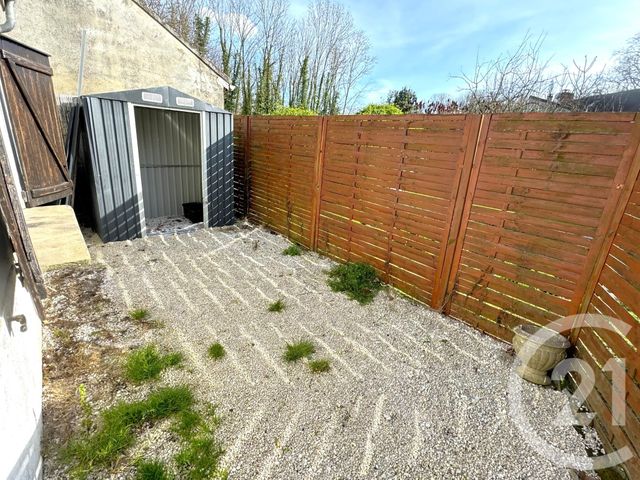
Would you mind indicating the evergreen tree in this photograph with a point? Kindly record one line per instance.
(405, 99)
(202, 32)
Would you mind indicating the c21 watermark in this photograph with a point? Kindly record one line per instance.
(616, 366)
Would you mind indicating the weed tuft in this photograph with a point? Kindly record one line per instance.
(63, 336)
(86, 409)
(146, 363)
(199, 459)
(146, 470)
(292, 250)
(139, 314)
(115, 433)
(358, 280)
(319, 366)
(296, 351)
(276, 306)
(216, 351)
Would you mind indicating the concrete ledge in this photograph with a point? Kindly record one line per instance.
(56, 237)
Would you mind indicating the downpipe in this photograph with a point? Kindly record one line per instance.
(10, 17)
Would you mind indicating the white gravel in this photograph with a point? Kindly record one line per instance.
(411, 393)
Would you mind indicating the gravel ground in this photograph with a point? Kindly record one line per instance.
(411, 393)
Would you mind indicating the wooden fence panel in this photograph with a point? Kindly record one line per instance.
(388, 187)
(282, 154)
(541, 204)
(499, 220)
(617, 295)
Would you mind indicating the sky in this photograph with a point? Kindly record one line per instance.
(420, 44)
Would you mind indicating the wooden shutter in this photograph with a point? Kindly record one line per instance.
(34, 116)
(11, 215)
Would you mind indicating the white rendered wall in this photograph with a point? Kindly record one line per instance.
(20, 375)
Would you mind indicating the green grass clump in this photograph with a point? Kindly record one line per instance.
(216, 351)
(200, 457)
(146, 363)
(299, 350)
(139, 314)
(276, 306)
(292, 250)
(358, 280)
(152, 471)
(116, 428)
(319, 366)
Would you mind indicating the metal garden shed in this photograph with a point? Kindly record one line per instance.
(151, 151)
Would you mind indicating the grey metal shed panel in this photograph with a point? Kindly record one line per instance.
(219, 154)
(116, 202)
(119, 210)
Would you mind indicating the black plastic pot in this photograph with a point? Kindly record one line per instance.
(193, 211)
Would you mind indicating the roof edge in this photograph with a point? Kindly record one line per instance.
(207, 62)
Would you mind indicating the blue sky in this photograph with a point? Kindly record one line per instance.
(421, 43)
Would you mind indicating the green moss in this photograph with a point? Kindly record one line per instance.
(358, 280)
(296, 351)
(216, 351)
(146, 363)
(276, 306)
(319, 366)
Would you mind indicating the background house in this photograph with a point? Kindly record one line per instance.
(126, 47)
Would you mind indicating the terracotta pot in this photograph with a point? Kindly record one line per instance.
(539, 351)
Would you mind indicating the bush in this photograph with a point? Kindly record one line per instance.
(358, 280)
(297, 111)
(380, 109)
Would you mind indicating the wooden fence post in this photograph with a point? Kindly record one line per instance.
(457, 202)
(468, 193)
(317, 180)
(245, 160)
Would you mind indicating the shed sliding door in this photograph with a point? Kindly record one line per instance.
(170, 154)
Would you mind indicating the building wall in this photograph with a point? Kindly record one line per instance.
(20, 375)
(126, 48)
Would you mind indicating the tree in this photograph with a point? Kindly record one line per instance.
(405, 99)
(626, 69)
(522, 80)
(202, 34)
(442, 104)
(317, 62)
(380, 109)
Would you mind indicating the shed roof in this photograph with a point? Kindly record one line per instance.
(167, 97)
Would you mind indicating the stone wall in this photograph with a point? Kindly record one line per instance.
(126, 48)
